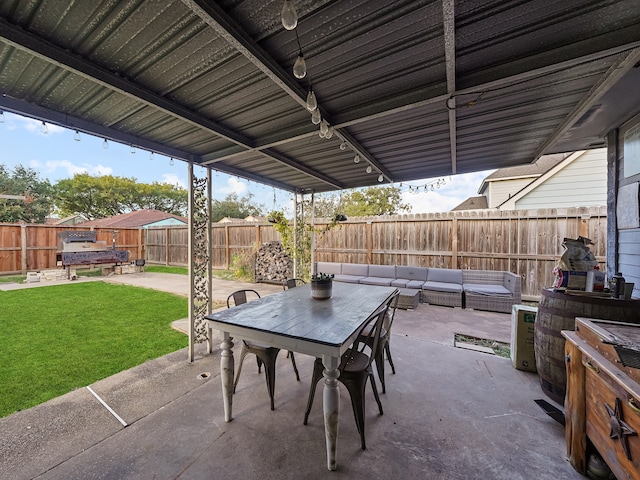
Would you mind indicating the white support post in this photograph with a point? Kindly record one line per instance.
(190, 255)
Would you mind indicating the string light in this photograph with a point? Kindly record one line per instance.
(150, 155)
(44, 129)
(171, 162)
(312, 101)
(105, 144)
(1, 116)
(289, 15)
(76, 136)
(380, 178)
(315, 117)
(356, 159)
(369, 169)
(300, 67)
(132, 150)
(343, 145)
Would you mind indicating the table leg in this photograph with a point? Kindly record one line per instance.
(331, 408)
(226, 375)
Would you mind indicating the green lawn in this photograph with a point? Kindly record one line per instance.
(59, 338)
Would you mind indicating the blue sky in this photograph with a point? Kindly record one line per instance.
(56, 155)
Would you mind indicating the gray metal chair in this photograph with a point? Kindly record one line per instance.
(292, 283)
(355, 370)
(264, 354)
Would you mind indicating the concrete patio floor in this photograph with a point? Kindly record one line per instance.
(449, 413)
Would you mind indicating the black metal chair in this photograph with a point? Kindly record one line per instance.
(264, 354)
(385, 338)
(292, 283)
(355, 370)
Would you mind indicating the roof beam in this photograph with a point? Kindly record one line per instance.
(448, 19)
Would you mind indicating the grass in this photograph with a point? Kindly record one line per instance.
(63, 337)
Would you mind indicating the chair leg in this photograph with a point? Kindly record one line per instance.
(259, 362)
(388, 350)
(356, 386)
(375, 393)
(380, 368)
(315, 378)
(293, 362)
(270, 372)
(243, 353)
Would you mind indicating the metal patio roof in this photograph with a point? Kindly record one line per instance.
(419, 89)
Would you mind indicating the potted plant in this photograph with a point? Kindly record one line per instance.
(321, 285)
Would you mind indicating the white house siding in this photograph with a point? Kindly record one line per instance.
(499, 190)
(582, 183)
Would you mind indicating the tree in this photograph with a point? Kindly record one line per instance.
(235, 207)
(38, 203)
(104, 196)
(373, 201)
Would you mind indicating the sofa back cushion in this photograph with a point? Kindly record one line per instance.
(382, 271)
(412, 273)
(328, 267)
(444, 275)
(355, 269)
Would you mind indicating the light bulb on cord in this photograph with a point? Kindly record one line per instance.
(44, 129)
(343, 146)
(324, 127)
(369, 168)
(356, 159)
(171, 162)
(133, 150)
(380, 178)
(289, 15)
(1, 116)
(312, 102)
(315, 116)
(300, 67)
(330, 132)
(150, 155)
(321, 134)
(76, 136)
(105, 144)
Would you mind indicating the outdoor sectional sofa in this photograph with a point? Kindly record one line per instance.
(490, 290)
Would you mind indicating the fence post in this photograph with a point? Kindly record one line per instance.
(454, 242)
(369, 240)
(227, 250)
(23, 248)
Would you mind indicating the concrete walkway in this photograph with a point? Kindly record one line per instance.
(449, 413)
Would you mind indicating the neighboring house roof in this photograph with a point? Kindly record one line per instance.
(70, 220)
(138, 218)
(230, 219)
(532, 170)
(252, 218)
(472, 203)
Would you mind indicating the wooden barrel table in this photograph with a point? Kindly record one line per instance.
(557, 311)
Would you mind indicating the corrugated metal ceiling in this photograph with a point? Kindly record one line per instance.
(418, 89)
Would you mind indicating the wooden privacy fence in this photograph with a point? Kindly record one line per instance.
(526, 242)
(28, 247)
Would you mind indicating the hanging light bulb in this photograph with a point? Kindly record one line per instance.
(76, 136)
(315, 116)
(432, 187)
(312, 102)
(105, 144)
(324, 127)
(171, 162)
(330, 132)
(44, 129)
(356, 159)
(369, 168)
(289, 15)
(300, 67)
(343, 146)
(150, 155)
(133, 150)
(322, 134)
(380, 178)
(1, 116)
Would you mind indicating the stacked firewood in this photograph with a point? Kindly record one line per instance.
(273, 265)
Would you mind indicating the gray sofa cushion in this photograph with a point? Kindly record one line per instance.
(415, 284)
(352, 273)
(442, 287)
(384, 281)
(492, 290)
(444, 275)
(382, 271)
(328, 267)
(400, 282)
(411, 273)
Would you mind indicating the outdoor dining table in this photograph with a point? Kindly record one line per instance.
(293, 320)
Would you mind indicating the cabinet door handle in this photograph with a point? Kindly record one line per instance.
(591, 366)
(633, 405)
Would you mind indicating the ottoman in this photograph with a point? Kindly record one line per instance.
(408, 298)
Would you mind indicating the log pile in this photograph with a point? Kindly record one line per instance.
(273, 265)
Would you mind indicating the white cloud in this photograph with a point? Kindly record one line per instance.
(33, 125)
(173, 179)
(456, 189)
(52, 168)
(233, 185)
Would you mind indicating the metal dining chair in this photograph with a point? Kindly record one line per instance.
(355, 370)
(265, 354)
(292, 283)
